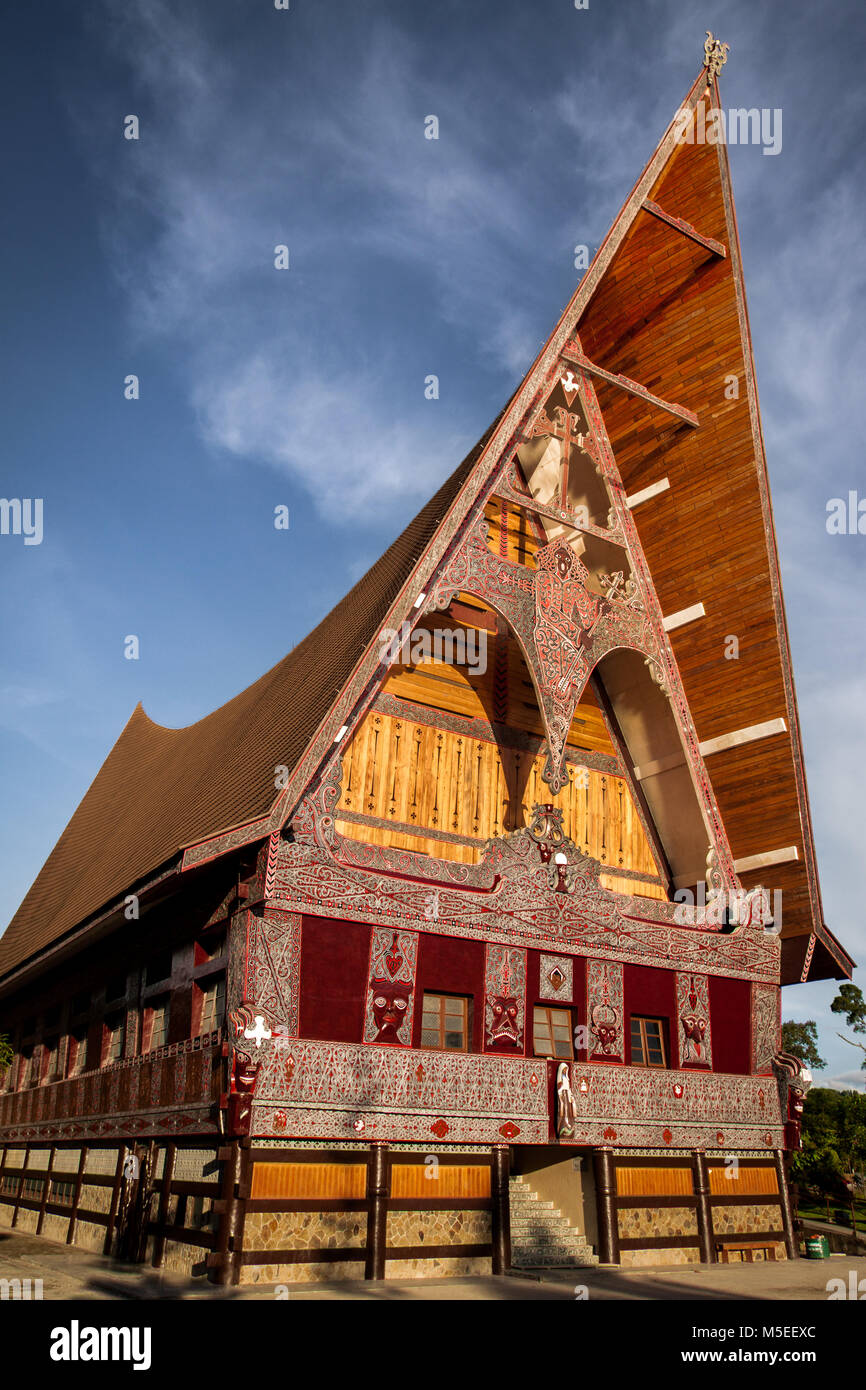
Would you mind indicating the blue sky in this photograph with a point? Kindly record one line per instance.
(408, 257)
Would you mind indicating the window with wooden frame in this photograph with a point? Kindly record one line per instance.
(24, 1063)
(50, 1053)
(648, 1042)
(156, 1017)
(445, 1022)
(212, 1000)
(115, 1033)
(76, 1055)
(552, 1032)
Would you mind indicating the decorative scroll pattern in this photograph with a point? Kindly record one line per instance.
(605, 1010)
(401, 1092)
(508, 897)
(540, 605)
(693, 1014)
(275, 968)
(278, 1122)
(766, 1028)
(391, 987)
(674, 1109)
(504, 996)
(556, 979)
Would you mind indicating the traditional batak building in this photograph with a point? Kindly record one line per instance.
(456, 940)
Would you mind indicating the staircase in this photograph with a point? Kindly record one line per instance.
(541, 1235)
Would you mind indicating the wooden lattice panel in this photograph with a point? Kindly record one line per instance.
(643, 1181)
(440, 1180)
(743, 1181)
(405, 777)
(303, 1180)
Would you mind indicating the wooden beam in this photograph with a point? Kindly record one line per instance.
(680, 225)
(646, 493)
(740, 736)
(575, 358)
(685, 615)
(766, 860)
(569, 519)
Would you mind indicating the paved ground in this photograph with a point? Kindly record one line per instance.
(70, 1273)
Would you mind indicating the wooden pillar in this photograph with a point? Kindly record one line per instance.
(703, 1208)
(45, 1190)
(231, 1157)
(605, 1200)
(162, 1212)
(18, 1194)
(378, 1192)
(501, 1215)
(115, 1199)
(76, 1198)
(785, 1202)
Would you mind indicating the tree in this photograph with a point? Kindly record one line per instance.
(7, 1054)
(801, 1040)
(850, 1002)
(834, 1141)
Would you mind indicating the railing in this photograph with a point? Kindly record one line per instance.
(181, 1074)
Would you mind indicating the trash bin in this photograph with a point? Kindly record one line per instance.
(817, 1248)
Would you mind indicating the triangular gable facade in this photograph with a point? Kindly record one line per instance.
(610, 534)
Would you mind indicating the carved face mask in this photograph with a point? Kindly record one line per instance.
(390, 1003)
(694, 1028)
(604, 1028)
(245, 1072)
(563, 563)
(503, 1023)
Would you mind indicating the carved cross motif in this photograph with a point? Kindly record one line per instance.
(259, 1033)
(566, 428)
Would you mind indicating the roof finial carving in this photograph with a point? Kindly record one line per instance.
(715, 56)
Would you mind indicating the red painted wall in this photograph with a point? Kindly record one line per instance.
(448, 965)
(651, 993)
(730, 1016)
(335, 957)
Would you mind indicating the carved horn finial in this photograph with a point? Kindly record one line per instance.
(715, 56)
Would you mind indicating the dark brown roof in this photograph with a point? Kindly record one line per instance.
(160, 789)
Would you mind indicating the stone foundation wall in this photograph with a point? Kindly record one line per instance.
(641, 1222)
(667, 1255)
(413, 1228)
(305, 1230)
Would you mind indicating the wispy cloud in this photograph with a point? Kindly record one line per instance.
(227, 169)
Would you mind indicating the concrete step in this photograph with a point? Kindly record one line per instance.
(543, 1259)
(541, 1236)
(546, 1236)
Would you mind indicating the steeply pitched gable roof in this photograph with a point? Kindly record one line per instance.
(160, 789)
(656, 306)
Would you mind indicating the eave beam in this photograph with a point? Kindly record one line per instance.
(680, 225)
(574, 358)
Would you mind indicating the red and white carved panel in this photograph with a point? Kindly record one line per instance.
(556, 978)
(391, 987)
(504, 997)
(766, 1026)
(338, 1090)
(676, 1109)
(693, 1020)
(605, 1012)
